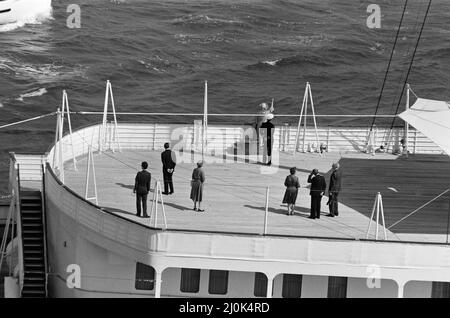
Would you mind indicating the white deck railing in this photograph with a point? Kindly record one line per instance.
(30, 166)
(152, 136)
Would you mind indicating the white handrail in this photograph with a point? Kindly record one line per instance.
(15, 180)
(226, 114)
(266, 211)
(27, 120)
(9, 220)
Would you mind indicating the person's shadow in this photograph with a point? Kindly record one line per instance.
(116, 210)
(126, 186)
(129, 186)
(299, 211)
(177, 206)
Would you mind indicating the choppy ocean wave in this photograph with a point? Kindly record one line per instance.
(271, 63)
(163, 44)
(160, 65)
(290, 61)
(41, 73)
(219, 37)
(205, 20)
(36, 93)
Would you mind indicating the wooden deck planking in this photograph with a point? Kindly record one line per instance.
(235, 194)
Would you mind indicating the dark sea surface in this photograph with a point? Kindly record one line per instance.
(158, 53)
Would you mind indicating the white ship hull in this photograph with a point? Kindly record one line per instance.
(95, 252)
(12, 11)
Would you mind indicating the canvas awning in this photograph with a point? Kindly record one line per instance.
(432, 118)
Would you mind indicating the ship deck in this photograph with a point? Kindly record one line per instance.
(235, 193)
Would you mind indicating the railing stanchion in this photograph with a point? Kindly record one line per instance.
(378, 216)
(266, 214)
(406, 123)
(154, 136)
(90, 161)
(162, 207)
(448, 222)
(66, 110)
(415, 141)
(371, 216)
(157, 196)
(297, 135)
(156, 205)
(328, 138)
(314, 119)
(377, 208)
(114, 132)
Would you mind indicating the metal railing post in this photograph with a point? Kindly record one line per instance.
(19, 228)
(266, 214)
(406, 123)
(205, 122)
(448, 221)
(44, 223)
(154, 136)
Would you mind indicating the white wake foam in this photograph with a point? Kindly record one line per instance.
(38, 92)
(203, 19)
(30, 12)
(271, 63)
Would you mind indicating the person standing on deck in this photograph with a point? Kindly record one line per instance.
(198, 179)
(142, 188)
(333, 190)
(290, 196)
(168, 160)
(262, 112)
(318, 187)
(267, 130)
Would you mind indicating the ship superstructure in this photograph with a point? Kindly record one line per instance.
(244, 245)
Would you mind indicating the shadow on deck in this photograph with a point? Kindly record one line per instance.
(405, 184)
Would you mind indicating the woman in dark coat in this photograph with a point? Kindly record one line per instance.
(198, 178)
(290, 196)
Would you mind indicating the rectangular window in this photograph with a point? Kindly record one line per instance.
(292, 286)
(337, 287)
(440, 290)
(218, 282)
(190, 280)
(260, 289)
(145, 276)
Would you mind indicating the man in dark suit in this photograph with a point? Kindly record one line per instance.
(333, 190)
(267, 130)
(318, 187)
(168, 160)
(142, 188)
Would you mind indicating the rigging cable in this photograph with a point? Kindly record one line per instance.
(387, 70)
(27, 120)
(412, 60)
(398, 94)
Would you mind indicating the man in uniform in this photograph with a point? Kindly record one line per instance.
(318, 187)
(142, 188)
(168, 160)
(333, 190)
